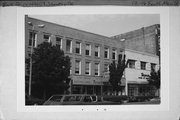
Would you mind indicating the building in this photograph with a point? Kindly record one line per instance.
(142, 48)
(91, 55)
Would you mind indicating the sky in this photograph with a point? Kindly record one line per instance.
(106, 25)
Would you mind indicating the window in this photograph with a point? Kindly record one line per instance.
(32, 38)
(106, 52)
(47, 38)
(78, 48)
(131, 63)
(97, 69)
(106, 67)
(77, 67)
(88, 50)
(153, 67)
(114, 54)
(58, 42)
(97, 51)
(143, 65)
(87, 68)
(69, 46)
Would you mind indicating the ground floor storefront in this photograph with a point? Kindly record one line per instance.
(141, 90)
(96, 89)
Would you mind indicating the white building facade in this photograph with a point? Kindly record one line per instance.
(138, 71)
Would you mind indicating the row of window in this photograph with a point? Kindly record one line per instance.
(88, 48)
(88, 68)
(142, 65)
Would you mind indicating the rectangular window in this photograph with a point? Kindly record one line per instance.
(47, 38)
(106, 52)
(131, 63)
(96, 69)
(78, 48)
(106, 67)
(32, 38)
(153, 67)
(77, 67)
(87, 68)
(114, 54)
(143, 65)
(97, 51)
(88, 50)
(58, 42)
(69, 46)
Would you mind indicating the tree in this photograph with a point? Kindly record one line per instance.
(154, 79)
(50, 70)
(116, 72)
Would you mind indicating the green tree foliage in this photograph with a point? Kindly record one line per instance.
(50, 71)
(116, 72)
(154, 79)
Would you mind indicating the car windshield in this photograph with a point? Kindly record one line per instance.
(72, 98)
(55, 98)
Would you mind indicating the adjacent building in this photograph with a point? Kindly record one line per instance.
(91, 55)
(142, 48)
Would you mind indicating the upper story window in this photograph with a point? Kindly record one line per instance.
(143, 65)
(114, 54)
(97, 51)
(32, 39)
(88, 50)
(69, 46)
(153, 66)
(106, 67)
(78, 67)
(59, 42)
(131, 64)
(47, 38)
(87, 68)
(78, 48)
(97, 69)
(106, 52)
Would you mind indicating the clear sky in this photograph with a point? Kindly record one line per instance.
(107, 25)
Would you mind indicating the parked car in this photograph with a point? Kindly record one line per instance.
(77, 99)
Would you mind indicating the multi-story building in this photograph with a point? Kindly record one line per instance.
(91, 55)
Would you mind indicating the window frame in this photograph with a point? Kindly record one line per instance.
(49, 39)
(34, 39)
(114, 50)
(79, 67)
(130, 66)
(142, 63)
(153, 64)
(70, 49)
(106, 48)
(87, 49)
(98, 51)
(97, 63)
(59, 42)
(89, 67)
(78, 48)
